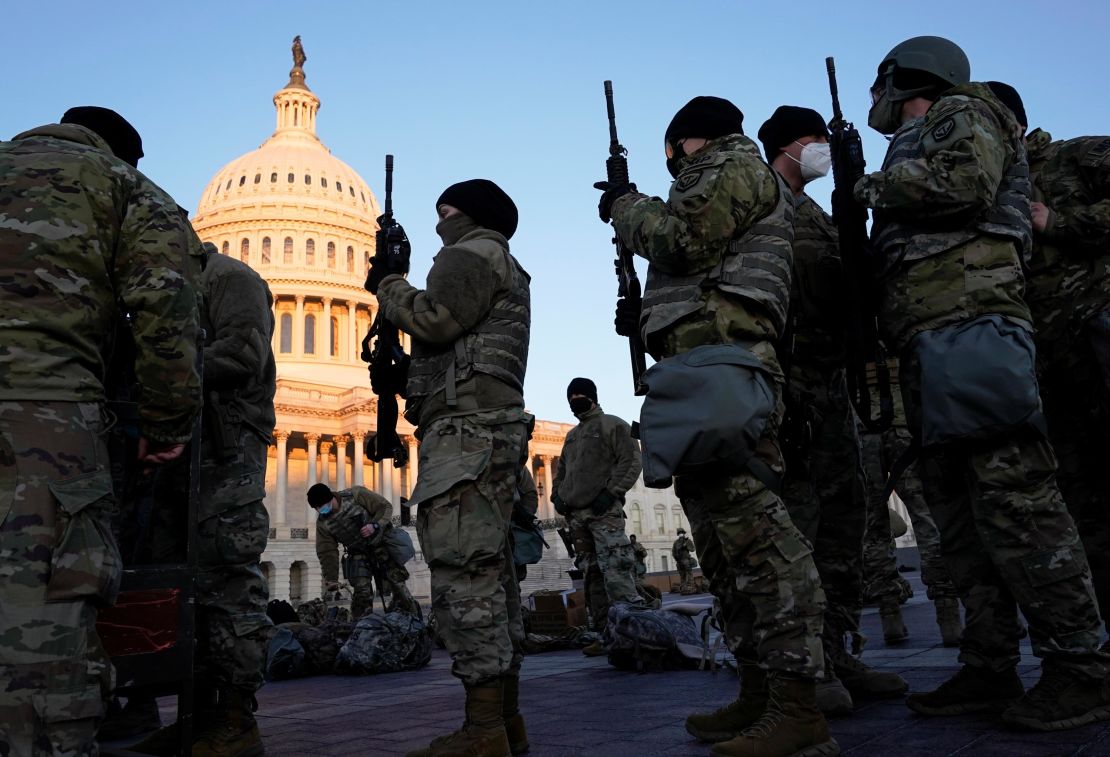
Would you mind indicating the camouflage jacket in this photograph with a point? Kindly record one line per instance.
(83, 235)
(951, 215)
(526, 489)
(639, 552)
(599, 454)
(474, 316)
(239, 371)
(723, 193)
(682, 548)
(358, 506)
(1069, 276)
(817, 304)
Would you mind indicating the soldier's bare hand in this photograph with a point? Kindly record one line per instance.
(368, 530)
(1040, 213)
(158, 453)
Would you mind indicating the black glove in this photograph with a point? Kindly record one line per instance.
(388, 378)
(374, 276)
(627, 321)
(609, 195)
(391, 255)
(603, 502)
(559, 505)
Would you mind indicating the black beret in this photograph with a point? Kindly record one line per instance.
(788, 124)
(1011, 99)
(319, 494)
(122, 138)
(707, 117)
(485, 202)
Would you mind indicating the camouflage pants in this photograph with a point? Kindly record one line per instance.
(759, 566)
(232, 529)
(685, 571)
(471, 463)
(1077, 404)
(824, 492)
(604, 555)
(362, 582)
(1009, 542)
(58, 561)
(881, 578)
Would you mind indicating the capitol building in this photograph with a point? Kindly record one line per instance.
(305, 220)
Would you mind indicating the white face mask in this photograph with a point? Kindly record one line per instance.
(816, 160)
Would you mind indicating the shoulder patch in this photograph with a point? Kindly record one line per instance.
(1097, 154)
(943, 129)
(687, 180)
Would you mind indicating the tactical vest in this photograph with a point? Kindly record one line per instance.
(498, 347)
(899, 240)
(756, 266)
(346, 524)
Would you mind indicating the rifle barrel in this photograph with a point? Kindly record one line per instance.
(614, 142)
(389, 185)
(830, 66)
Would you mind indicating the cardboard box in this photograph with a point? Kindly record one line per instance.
(557, 611)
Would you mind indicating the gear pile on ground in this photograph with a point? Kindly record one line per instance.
(386, 643)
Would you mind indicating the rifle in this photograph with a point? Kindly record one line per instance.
(386, 358)
(628, 284)
(863, 345)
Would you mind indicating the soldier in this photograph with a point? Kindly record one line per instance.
(823, 489)
(1068, 290)
(233, 630)
(719, 273)
(683, 560)
(882, 582)
(639, 554)
(951, 227)
(362, 521)
(84, 236)
(465, 385)
(599, 462)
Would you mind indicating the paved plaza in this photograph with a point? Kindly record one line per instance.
(576, 705)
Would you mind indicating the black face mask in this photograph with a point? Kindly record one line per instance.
(677, 154)
(579, 405)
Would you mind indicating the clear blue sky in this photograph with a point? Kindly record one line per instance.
(512, 91)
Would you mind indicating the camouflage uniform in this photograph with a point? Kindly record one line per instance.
(1068, 290)
(719, 254)
(470, 347)
(1005, 531)
(599, 457)
(683, 560)
(823, 487)
(359, 506)
(639, 554)
(80, 233)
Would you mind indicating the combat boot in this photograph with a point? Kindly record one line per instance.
(833, 699)
(233, 732)
(167, 740)
(948, 619)
(510, 713)
(791, 725)
(1061, 699)
(862, 680)
(483, 732)
(729, 721)
(970, 690)
(596, 649)
(894, 627)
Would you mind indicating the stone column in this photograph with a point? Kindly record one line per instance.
(352, 332)
(298, 328)
(279, 581)
(341, 461)
(312, 439)
(358, 458)
(387, 479)
(325, 450)
(414, 463)
(546, 459)
(327, 331)
(281, 438)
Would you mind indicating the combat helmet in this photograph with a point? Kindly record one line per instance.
(916, 67)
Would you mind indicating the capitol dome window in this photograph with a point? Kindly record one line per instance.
(360, 194)
(273, 178)
(351, 190)
(310, 252)
(228, 185)
(350, 260)
(310, 335)
(339, 186)
(291, 178)
(307, 179)
(287, 251)
(323, 182)
(331, 254)
(334, 337)
(242, 180)
(225, 247)
(286, 333)
(258, 178)
(245, 250)
(265, 250)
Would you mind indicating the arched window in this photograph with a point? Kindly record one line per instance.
(273, 178)
(334, 337)
(287, 251)
(350, 259)
(331, 254)
(310, 334)
(660, 520)
(257, 178)
(307, 179)
(637, 519)
(339, 186)
(298, 581)
(285, 337)
(265, 250)
(676, 518)
(365, 261)
(290, 178)
(225, 247)
(351, 190)
(242, 180)
(310, 252)
(228, 185)
(245, 250)
(360, 194)
(323, 182)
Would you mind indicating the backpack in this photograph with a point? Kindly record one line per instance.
(385, 644)
(643, 639)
